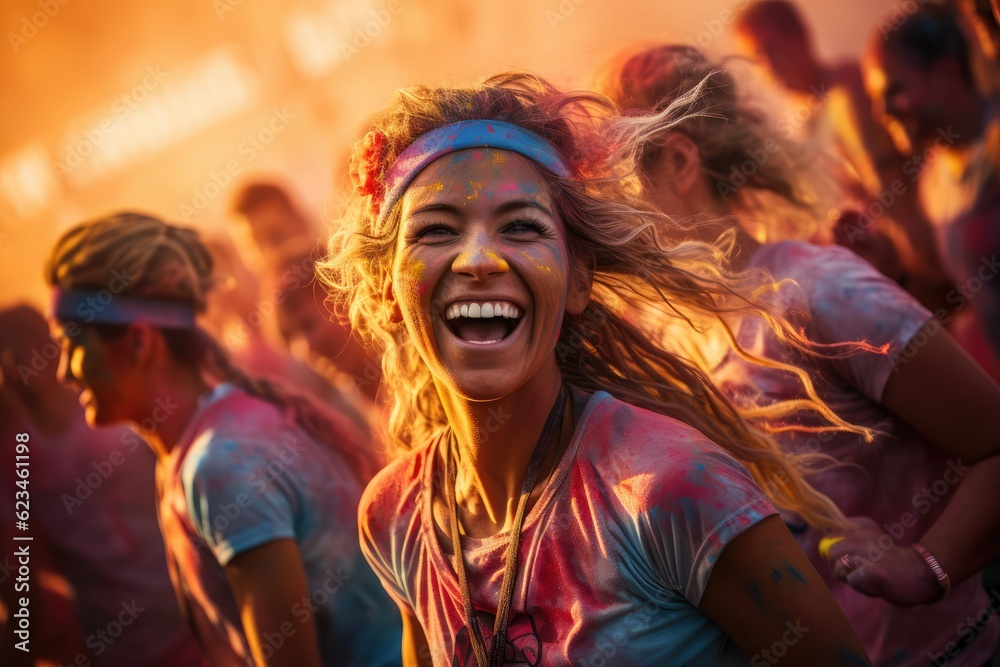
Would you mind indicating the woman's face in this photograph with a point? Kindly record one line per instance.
(99, 369)
(482, 274)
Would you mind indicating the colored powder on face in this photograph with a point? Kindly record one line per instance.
(499, 159)
(497, 258)
(476, 187)
(538, 265)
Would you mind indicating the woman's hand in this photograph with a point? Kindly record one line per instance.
(872, 562)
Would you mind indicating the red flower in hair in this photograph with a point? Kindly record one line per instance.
(367, 177)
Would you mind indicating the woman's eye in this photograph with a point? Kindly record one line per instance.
(523, 227)
(432, 232)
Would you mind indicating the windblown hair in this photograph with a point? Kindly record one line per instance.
(774, 183)
(163, 262)
(604, 347)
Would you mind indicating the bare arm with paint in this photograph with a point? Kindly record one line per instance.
(945, 396)
(770, 600)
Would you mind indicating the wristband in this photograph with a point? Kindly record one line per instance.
(944, 581)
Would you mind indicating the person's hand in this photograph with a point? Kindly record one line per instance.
(872, 562)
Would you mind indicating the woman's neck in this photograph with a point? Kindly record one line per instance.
(167, 409)
(495, 442)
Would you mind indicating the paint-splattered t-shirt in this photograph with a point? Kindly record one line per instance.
(614, 556)
(243, 475)
(899, 480)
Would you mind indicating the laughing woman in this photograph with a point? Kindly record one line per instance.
(257, 489)
(569, 493)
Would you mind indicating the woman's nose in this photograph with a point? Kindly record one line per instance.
(479, 258)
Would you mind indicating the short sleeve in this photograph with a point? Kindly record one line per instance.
(705, 502)
(850, 301)
(687, 504)
(378, 521)
(236, 501)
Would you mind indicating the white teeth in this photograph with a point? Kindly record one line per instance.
(483, 311)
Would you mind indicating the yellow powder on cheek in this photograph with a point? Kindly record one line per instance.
(538, 265)
(499, 159)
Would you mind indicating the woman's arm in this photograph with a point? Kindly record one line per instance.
(268, 582)
(416, 651)
(944, 395)
(769, 599)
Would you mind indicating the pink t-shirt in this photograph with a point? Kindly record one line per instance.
(614, 556)
(900, 480)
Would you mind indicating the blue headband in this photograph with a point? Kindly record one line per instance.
(459, 136)
(106, 307)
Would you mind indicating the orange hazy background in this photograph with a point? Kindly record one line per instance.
(169, 107)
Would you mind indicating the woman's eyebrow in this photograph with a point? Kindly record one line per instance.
(530, 202)
(506, 207)
(435, 207)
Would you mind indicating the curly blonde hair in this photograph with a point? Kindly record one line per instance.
(604, 347)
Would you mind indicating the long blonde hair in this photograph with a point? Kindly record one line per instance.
(169, 263)
(603, 348)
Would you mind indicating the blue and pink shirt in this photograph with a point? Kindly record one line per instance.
(614, 557)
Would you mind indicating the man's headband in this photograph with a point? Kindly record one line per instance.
(105, 307)
(460, 136)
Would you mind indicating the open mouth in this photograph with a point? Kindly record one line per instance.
(482, 322)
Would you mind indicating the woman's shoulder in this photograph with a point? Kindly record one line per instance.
(393, 495)
(628, 440)
(665, 469)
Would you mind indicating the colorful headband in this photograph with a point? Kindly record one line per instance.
(105, 307)
(458, 136)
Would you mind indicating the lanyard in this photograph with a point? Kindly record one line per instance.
(497, 648)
